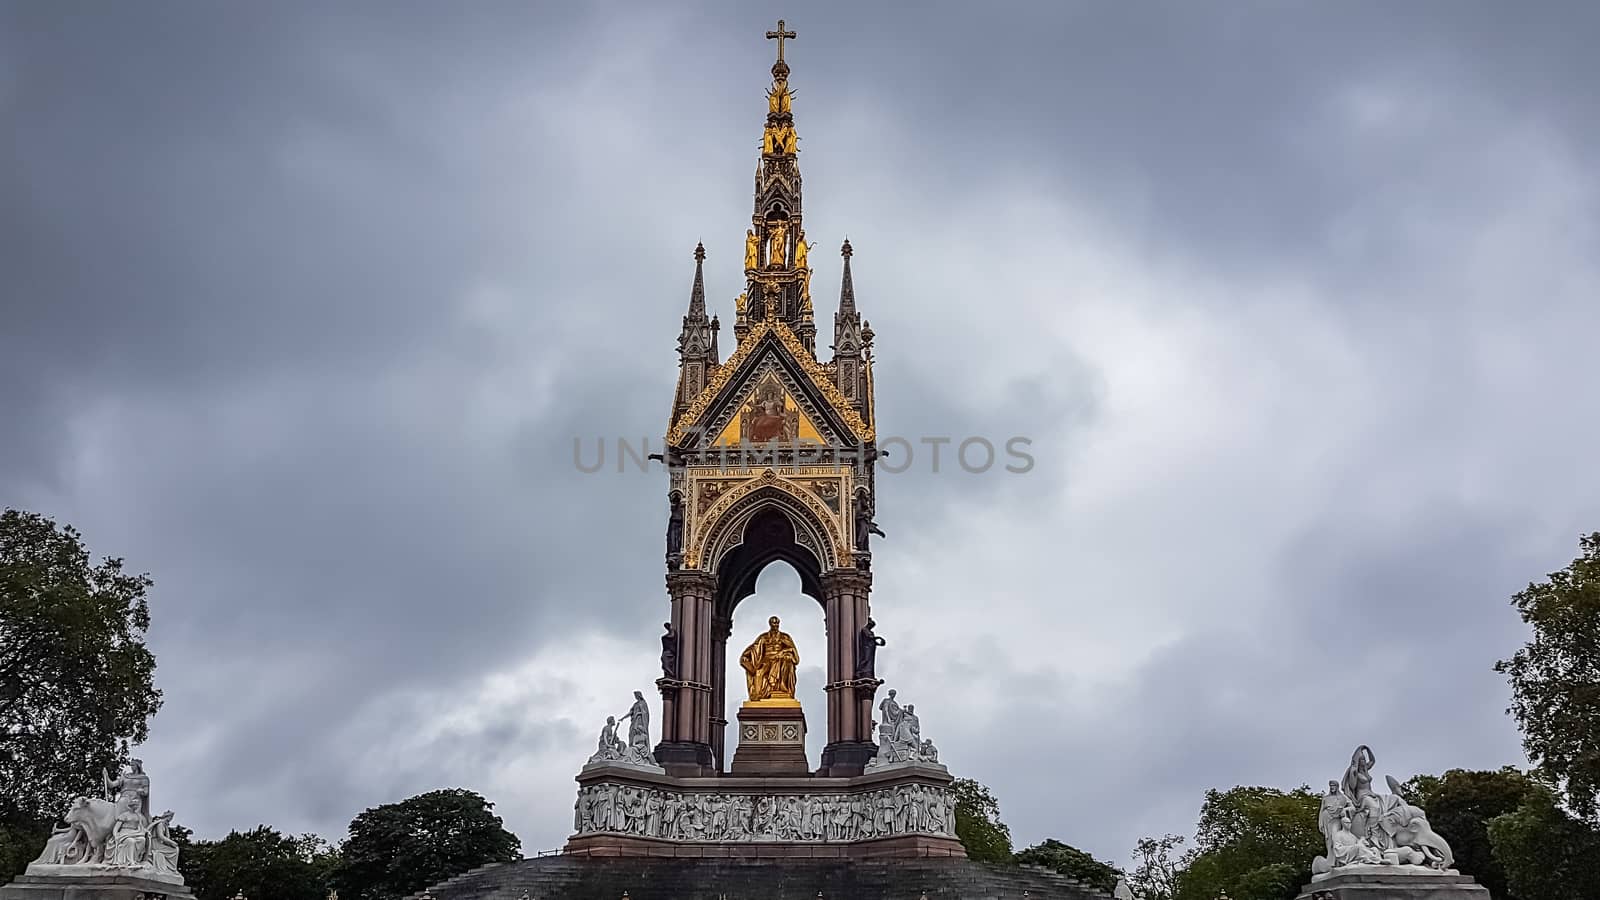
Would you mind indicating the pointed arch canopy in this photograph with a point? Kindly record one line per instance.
(774, 520)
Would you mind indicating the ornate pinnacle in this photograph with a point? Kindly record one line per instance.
(699, 252)
(847, 287)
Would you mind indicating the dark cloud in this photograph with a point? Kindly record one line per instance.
(304, 308)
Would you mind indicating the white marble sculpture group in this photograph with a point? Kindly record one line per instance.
(900, 738)
(718, 816)
(1367, 831)
(636, 752)
(115, 834)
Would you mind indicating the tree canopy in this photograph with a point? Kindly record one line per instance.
(1545, 853)
(1255, 843)
(262, 862)
(400, 848)
(76, 681)
(1154, 875)
(978, 824)
(1069, 860)
(1555, 677)
(1461, 804)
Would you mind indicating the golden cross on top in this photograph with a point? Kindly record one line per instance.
(779, 35)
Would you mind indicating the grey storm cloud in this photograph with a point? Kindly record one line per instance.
(304, 307)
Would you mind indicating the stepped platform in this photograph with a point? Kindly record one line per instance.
(568, 877)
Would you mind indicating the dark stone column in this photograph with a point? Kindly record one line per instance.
(721, 630)
(850, 740)
(685, 747)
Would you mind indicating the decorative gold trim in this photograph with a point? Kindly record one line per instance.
(711, 520)
(813, 369)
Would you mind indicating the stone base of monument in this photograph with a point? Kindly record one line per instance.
(600, 878)
(772, 739)
(1393, 883)
(907, 811)
(107, 884)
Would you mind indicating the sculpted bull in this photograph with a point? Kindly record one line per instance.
(94, 818)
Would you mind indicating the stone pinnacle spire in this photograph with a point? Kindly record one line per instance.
(847, 287)
(697, 342)
(697, 294)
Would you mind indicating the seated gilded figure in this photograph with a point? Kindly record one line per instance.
(769, 665)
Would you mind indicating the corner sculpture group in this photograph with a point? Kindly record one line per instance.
(1364, 828)
(115, 833)
(637, 750)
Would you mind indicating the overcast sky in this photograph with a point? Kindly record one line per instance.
(305, 305)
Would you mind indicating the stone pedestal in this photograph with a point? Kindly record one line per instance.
(772, 739)
(103, 885)
(1375, 883)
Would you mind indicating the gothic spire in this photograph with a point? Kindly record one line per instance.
(697, 342)
(697, 294)
(777, 265)
(847, 287)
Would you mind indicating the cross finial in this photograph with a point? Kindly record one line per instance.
(779, 35)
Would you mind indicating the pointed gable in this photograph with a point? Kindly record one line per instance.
(771, 359)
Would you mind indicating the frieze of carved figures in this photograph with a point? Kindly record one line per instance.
(1363, 828)
(900, 740)
(674, 815)
(116, 833)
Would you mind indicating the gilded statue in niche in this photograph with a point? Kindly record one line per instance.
(751, 249)
(800, 251)
(769, 665)
(777, 245)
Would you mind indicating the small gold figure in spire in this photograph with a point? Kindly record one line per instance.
(751, 251)
(778, 140)
(739, 304)
(778, 98)
(777, 248)
(800, 251)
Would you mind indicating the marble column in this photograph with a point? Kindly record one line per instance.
(685, 747)
(850, 739)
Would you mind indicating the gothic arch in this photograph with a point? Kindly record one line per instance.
(810, 530)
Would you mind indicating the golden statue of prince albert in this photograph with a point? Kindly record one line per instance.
(769, 666)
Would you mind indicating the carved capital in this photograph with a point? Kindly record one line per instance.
(842, 581)
(690, 584)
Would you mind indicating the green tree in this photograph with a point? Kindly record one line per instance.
(22, 836)
(1555, 678)
(400, 848)
(1069, 860)
(978, 824)
(1256, 843)
(258, 863)
(76, 681)
(1460, 805)
(1545, 853)
(1155, 873)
